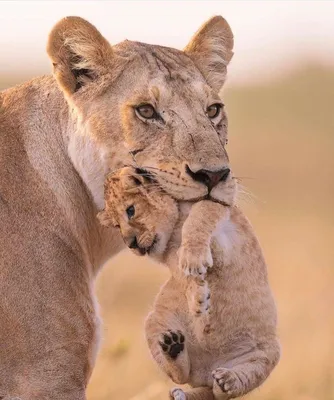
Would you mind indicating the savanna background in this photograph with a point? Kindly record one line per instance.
(279, 97)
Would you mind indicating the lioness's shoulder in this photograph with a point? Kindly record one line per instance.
(35, 86)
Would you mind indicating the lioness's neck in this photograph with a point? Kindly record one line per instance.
(60, 156)
(73, 135)
(88, 159)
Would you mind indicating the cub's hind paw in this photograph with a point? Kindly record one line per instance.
(195, 260)
(228, 381)
(172, 343)
(199, 299)
(177, 394)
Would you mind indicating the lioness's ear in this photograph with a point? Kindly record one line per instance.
(79, 53)
(211, 50)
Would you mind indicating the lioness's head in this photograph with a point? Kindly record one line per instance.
(155, 107)
(144, 214)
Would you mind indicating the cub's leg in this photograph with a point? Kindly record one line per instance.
(165, 334)
(245, 373)
(201, 393)
(195, 253)
(198, 296)
(168, 346)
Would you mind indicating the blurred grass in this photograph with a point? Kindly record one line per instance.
(282, 146)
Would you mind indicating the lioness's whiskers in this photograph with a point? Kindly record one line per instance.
(150, 186)
(247, 195)
(241, 178)
(151, 168)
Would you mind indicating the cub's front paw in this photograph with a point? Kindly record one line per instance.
(195, 260)
(228, 381)
(172, 343)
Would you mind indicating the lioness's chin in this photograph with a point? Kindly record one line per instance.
(224, 193)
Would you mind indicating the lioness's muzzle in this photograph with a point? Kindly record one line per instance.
(209, 178)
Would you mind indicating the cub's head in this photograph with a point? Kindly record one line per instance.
(153, 107)
(144, 214)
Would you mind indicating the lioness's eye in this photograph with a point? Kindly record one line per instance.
(213, 110)
(130, 211)
(146, 111)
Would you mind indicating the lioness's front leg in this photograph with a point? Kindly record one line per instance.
(195, 254)
(48, 325)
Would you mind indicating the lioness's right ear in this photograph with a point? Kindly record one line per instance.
(211, 48)
(79, 53)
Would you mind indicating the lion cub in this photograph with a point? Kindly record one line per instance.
(224, 350)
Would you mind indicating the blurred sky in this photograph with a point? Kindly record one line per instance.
(270, 36)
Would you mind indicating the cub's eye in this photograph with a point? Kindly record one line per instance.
(130, 211)
(146, 111)
(213, 110)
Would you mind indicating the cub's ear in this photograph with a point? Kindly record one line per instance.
(211, 50)
(106, 219)
(79, 53)
(131, 178)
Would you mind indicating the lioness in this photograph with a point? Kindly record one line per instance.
(231, 350)
(104, 106)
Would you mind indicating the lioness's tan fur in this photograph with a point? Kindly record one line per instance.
(59, 137)
(224, 350)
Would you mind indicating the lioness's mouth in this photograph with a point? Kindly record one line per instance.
(150, 176)
(223, 203)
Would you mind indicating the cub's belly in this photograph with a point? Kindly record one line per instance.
(201, 367)
(206, 351)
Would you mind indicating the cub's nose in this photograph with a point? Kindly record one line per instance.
(209, 178)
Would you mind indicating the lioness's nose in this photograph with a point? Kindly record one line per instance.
(209, 178)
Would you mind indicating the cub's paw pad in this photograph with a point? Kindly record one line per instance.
(228, 381)
(172, 343)
(177, 394)
(195, 261)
